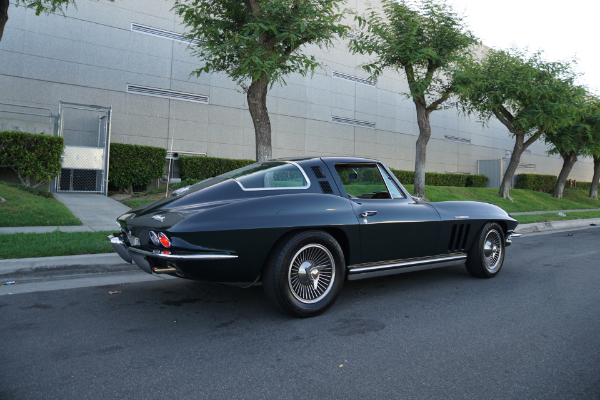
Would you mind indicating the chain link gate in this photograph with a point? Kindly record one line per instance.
(86, 129)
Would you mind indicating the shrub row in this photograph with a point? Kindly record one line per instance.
(31, 155)
(537, 182)
(191, 167)
(135, 165)
(36, 191)
(439, 179)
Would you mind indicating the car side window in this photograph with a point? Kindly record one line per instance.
(363, 181)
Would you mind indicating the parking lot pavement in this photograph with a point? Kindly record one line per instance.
(531, 332)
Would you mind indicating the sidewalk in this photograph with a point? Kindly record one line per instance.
(95, 211)
(555, 211)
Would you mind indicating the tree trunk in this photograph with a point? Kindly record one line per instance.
(3, 15)
(595, 179)
(257, 103)
(512, 166)
(421, 155)
(569, 159)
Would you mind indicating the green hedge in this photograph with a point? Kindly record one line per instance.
(135, 165)
(537, 182)
(191, 167)
(439, 179)
(31, 155)
(580, 185)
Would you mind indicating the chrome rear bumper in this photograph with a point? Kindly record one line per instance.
(140, 257)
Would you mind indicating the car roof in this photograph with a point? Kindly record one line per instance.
(334, 159)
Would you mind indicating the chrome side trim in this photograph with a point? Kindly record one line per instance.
(183, 256)
(280, 188)
(393, 264)
(404, 270)
(514, 235)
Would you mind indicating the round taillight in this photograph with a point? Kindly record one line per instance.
(164, 240)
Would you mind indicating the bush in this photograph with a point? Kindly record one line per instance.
(540, 183)
(31, 155)
(135, 165)
(580, 185)
(36, 191)
(438, 179)
(477, 180)
(191, 167)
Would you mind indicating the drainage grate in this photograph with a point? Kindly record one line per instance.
(318, 172)
(148, 30)
(352, 78)
(325, 187)
(457, 139)
(170, 94)
(348, 121)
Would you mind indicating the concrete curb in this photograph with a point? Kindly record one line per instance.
(556, 225)
(46, 267)
(46, 229)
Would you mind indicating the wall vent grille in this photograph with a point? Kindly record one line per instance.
(325, 187)
(318, 173)
(169, 94)
(148, 30)
(348, 121)
(457, 139)
(352, 78)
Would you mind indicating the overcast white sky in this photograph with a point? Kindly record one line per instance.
(561, 28)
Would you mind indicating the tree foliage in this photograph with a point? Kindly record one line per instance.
(253, 40)
(425, 40)
(257, 43)
(527, 94)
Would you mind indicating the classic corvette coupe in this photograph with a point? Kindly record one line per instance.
(303, 226)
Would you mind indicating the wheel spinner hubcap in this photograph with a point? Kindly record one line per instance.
(311, 273)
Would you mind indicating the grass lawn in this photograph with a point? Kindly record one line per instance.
(136, 202)
(26, 209)
(524, 200)
(528, 219)
(26, 245)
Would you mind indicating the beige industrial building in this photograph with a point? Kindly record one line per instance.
(129, 54)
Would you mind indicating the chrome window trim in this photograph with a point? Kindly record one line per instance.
(279, 188)
(183, 256)
(382, 171)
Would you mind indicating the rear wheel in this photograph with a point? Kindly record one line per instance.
(305, 273)
(486, 256)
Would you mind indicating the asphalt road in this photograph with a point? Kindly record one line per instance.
(532, 332)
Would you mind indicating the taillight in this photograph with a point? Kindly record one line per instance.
(164, 240)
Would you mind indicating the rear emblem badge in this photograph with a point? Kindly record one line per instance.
(158, 218)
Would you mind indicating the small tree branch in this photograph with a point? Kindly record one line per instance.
(506, 122)
(447, 93)
(535, 137)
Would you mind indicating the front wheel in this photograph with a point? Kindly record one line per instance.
(486, 256)
(305, 273)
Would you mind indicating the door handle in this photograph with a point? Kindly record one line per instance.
(367, 214)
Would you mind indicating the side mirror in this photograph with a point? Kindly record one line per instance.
(353, 176)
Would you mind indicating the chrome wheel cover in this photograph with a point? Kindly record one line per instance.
(311, 273)
(492, 251)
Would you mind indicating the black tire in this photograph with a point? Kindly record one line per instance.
(486, 256)
(294, 265)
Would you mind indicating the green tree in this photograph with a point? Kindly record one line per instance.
(527, 94)
(572, 141)
(594, 148)
(425, 40)
(257, 43)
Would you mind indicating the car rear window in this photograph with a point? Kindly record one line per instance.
(271, 175)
